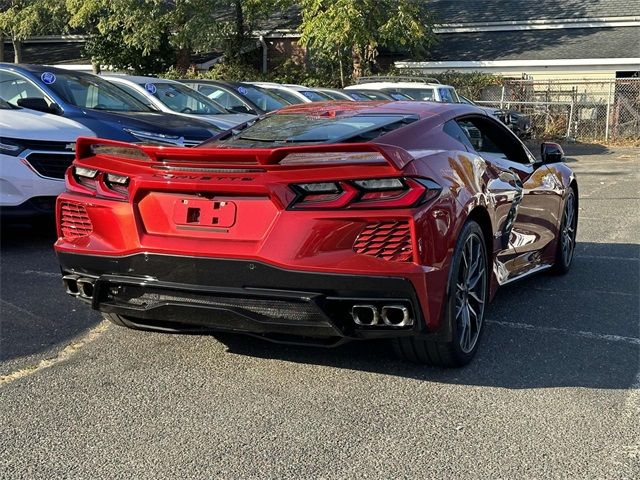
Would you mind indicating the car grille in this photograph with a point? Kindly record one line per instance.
(52, 165)
(47, 146)
(74, 221)
(387, 240)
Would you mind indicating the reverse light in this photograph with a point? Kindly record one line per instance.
(380, 184)
(85, 172)
(117, 179)
(320, 187)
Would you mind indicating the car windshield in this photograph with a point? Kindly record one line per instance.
(415, 93)
(182, 99)
(448, 95)
(299, 128)
(263, 99)
(315, 96)
(287, 96)
(90, 91)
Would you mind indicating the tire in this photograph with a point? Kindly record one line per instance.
(467, 292)
(567, 235)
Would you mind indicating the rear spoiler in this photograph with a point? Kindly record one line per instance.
(298, 156)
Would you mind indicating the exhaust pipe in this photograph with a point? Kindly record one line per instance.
(85, 287)
(396, 316)
(71, 284)
(365, 315)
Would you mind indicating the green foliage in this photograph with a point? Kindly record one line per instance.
(147, 35)
(470, 84)
(20, 19)
(353, 30)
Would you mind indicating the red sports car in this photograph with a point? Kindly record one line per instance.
(319, 223)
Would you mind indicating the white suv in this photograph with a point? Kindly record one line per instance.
(418, 89)
(35, 151)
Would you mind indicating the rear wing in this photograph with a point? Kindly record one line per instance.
(266, 158)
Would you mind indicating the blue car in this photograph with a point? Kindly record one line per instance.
(98, 105)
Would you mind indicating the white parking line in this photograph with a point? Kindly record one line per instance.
(573, 333)
(63, 355)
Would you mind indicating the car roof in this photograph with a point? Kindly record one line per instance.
(348, 108)
(379, 85)
(139, 78)
(33, 68)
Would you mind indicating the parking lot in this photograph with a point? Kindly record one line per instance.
(553, 392)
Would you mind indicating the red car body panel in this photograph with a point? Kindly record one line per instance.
(238, 204)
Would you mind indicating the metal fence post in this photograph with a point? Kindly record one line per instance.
(606, 127)
(502, 98)
(570, 120)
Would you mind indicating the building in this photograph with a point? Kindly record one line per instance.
(587, 39)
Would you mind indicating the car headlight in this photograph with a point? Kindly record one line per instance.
(9, 146)
(158, 138)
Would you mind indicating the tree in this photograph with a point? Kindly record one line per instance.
(351, 31)
(20, 19)
(144, 34)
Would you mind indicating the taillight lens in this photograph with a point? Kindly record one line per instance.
(93, 182)
(366, 193)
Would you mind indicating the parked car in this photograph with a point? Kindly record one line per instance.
(174, 97)
(98, 105)
(429, 89)
(294, 93)
(35, 150)
(362, 94)
(377, 221)
(335, 94)
(518, 122)
(239, 97)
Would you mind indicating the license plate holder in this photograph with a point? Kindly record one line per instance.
(202, 212)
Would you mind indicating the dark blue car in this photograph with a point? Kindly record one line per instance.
(97, 104)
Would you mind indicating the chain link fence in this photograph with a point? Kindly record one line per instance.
(583, 110)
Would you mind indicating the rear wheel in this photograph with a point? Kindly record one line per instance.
(465, 306)
(567, 235)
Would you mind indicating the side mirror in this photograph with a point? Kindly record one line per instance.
(39, 104)
(551, 152)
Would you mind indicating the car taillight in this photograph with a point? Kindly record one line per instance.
(93, 182)
(367, 193)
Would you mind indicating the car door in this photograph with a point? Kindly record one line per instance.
(532, 216)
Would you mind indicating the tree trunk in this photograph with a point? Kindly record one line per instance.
(239, 27)
(1, 47)
(95, 66)
(17, 51)
(356, 55)
(183, 60)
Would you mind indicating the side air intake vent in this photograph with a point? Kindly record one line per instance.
(74, 221)
(387, 240)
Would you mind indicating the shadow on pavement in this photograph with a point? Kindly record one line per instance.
(35, 313)
(546, 331)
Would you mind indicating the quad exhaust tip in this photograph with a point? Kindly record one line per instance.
(390, 315)
(77, 286)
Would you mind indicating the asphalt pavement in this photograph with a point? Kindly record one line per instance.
(554, 391)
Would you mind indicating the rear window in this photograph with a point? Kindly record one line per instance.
(305, 129)
(415, 93)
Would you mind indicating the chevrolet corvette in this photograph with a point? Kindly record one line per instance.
(319, 224)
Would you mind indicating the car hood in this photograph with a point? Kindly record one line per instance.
(33, 125)
(226, 121)
(156, 122)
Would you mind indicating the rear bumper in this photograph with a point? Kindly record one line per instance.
(182, 293)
